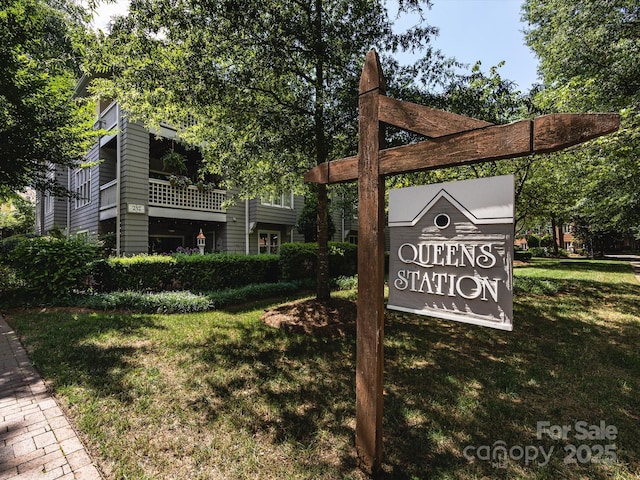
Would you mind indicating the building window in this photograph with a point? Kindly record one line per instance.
(268, 242)
(567, 228)
(353, 238)
(48, 203)
(83, 187)
(283, 201)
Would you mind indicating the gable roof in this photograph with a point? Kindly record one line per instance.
(482, 201)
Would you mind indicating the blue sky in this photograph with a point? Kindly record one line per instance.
(485, 30)
(470, 30)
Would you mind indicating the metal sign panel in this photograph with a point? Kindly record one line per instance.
(451, 251)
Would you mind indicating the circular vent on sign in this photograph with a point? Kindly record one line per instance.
(442, 220)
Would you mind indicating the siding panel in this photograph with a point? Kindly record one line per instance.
(134, 188)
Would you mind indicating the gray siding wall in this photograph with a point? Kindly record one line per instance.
(277, 215)
(58, 217)
(234, 232)
(343, 226)
(263, 217)
(298, 205)
(85, 218)
(134, 187)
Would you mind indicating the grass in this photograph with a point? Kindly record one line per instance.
(220, 395)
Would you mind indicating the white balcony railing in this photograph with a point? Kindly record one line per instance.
(162, 194)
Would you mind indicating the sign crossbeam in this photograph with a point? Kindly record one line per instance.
(451, 140)
(545, 134)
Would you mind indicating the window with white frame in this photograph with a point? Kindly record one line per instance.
(268, 241)
(48, 203)
(567, 228)
(83, 187)
(283, 201)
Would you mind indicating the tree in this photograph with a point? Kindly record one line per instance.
(590, 61)
(17, 215)
(308, 220)
(272, 84)
(41, 125)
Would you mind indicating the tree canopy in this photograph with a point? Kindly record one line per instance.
(41, 125)
(590, 61)
(272, 85)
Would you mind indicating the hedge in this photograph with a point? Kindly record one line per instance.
(51, 267)
(298, 261)
(198, 273)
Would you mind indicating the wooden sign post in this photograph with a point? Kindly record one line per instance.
(452, 140)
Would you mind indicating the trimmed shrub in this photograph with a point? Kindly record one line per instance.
(142, 273)
(533, 241)
(522, 255)
(299, 260)
(200, 273)
(53, 267)
(204, 273)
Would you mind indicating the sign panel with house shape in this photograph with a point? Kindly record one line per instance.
(452, 251)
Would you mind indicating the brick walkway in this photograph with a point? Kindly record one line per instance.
(36, 440)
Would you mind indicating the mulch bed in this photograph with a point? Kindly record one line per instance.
(337, 317)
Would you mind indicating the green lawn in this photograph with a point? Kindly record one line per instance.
(220, 395)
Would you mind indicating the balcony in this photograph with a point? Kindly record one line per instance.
(171, 202)
(108, 200)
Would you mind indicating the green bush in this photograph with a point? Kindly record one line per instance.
(539, 252)
(347, 283)
(248, 293)
(142, 273)
(299, 260)
(533, 241)
(8, 245)
(199, 273)
(53, 267)
(162, 302)
(203, 273)
(522, 255)
(184, 302)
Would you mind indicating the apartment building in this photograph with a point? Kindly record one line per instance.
(130, 193)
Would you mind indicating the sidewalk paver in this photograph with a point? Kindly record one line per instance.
(36, 439)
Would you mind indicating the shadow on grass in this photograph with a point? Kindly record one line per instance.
(449, 386)
(292, 389)
(62, 347)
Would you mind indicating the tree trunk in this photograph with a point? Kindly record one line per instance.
(323, 292)
(554, 234)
